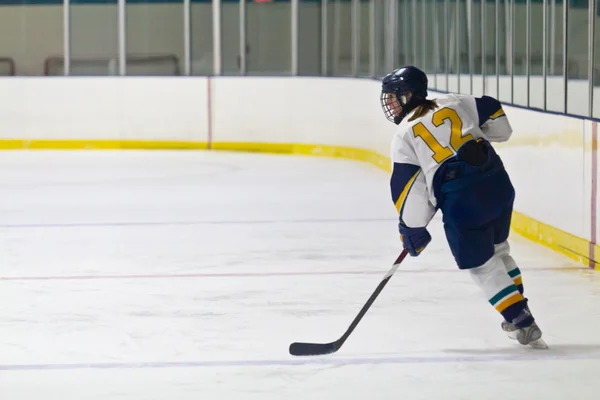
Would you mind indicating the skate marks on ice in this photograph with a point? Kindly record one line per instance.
(557, 352)
(526, 353)
(222, 221)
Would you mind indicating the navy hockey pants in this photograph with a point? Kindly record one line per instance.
(476, 202)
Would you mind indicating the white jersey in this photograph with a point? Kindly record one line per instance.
(420, 146)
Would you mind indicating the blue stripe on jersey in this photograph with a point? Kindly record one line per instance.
(402, 176)
(487, 107)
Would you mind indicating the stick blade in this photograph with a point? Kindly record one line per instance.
(312, 349)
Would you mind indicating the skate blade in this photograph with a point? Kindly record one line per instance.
(539, 344)
(512, 334)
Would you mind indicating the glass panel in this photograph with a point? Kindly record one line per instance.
(505, 45)
(475, 51)
(94, 39)
(339, 36)
(420, 32)
(555, 91)
(269, 35)
(230, 38)
(536, 70)
(434, 44)
(454, 25)
(490, 23)
(380, 36)
(436, 49)
(392, 33)
(364, 39)
(577, 66)
(413, 23)
(7, 66)
(462, 48)
(201, 27)
(519, 42)
(33, 37)
(443, 35)
(309, 38)
(405, 54)
(154, 37)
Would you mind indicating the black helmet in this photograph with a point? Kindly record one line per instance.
(409, 87)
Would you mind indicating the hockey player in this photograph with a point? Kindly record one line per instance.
(443, 159)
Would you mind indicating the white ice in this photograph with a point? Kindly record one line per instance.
(186, 275)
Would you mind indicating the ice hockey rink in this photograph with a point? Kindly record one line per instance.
(186, 275)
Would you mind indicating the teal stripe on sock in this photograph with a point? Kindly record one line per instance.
(502, 294)
(515, 272)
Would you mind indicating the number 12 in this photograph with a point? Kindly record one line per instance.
(456, 139)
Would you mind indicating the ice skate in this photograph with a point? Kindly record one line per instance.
(510, 329)
(532, 336)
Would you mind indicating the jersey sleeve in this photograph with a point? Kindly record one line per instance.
(492, 120)
(409, 188)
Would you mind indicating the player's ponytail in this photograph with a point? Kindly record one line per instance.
(423, 108)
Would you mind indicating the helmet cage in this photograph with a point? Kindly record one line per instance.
(392, 105)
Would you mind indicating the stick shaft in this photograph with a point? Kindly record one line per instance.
(371, 300)
(305, 349)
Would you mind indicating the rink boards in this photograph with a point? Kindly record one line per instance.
(552, 158)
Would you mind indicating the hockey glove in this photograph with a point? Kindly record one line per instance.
(414, 239)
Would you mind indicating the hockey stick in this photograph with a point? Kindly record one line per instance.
(315, 349)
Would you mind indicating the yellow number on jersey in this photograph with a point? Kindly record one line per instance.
(456, 138)
(439, 153)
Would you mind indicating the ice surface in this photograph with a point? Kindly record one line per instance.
(185, 275)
